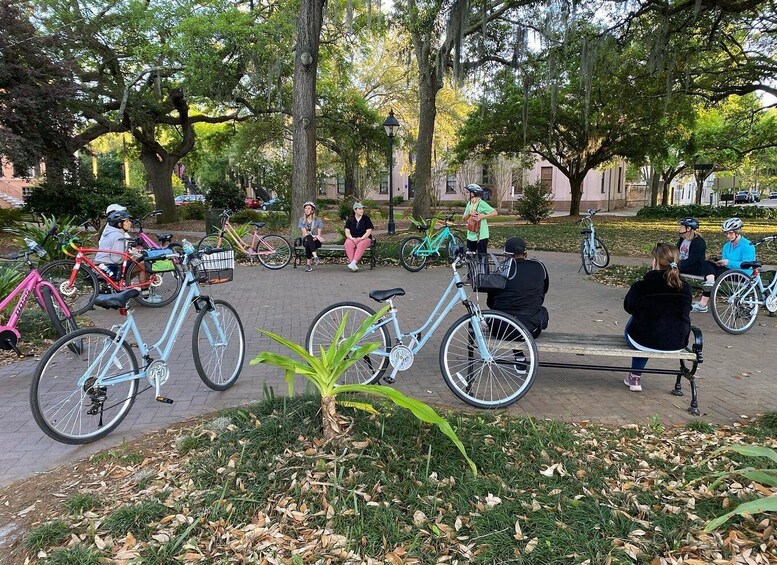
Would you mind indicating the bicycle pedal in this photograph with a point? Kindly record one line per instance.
(164, 400)
(389, 380)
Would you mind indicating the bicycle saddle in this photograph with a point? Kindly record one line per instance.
(257, 224)
(164, 236)
(117, 300)
(751, 265)
(586, 231)
(381, 295)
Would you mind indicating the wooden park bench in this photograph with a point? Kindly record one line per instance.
(332, 250)
(616, 346)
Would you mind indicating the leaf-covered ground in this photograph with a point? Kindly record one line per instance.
(258, 485)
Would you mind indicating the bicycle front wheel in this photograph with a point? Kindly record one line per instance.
(273, 251)
(71, 413)
(370, 368)
(79, 296)
(496, 377)
(156, 289)
(735, 302)
(409, 256)
(211, 241)
(62, 322)
(585, 255)
(601, 257)
(218, 345)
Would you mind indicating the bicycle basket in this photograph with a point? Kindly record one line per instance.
(216, 268)
(487, 273)
(159, 261)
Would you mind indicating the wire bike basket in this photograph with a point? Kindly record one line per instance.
(487, 273)
(216, 268)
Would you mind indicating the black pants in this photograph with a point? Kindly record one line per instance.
(711, 268)
(310, 244)
(479, 246)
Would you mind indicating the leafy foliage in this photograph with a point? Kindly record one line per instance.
(38, 232)
(224, 194)
(700, 211)
(536, 204)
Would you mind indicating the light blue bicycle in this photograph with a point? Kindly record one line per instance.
(488, 358)
(86, 382)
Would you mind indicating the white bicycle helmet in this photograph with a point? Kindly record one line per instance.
(115, 208)
(310, 203)
(731, 224)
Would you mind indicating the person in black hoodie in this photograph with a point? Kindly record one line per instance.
(660, 308)
(692, 248)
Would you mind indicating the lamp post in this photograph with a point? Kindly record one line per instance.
(391, 126)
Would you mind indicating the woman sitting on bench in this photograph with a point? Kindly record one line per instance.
(660, 308)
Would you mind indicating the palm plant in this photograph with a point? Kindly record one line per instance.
(323, 371)
(37, 233)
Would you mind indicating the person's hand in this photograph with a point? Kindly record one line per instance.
(722, 262)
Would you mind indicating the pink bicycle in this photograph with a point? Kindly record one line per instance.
(48, 297)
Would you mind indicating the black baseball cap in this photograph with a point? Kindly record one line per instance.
(515, 245)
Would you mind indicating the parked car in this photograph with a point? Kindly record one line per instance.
(742, 197)
(187, 198)
(773, 194)
(272, 204)
(755, 196)
(253, 203)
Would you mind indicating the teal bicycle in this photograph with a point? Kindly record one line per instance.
(86, 383)
(414, 251)
(487, 358)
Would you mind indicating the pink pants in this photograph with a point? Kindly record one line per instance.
(354, 250)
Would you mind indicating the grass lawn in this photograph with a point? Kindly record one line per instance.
(258, 485)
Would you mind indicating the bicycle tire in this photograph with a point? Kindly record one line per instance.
(81, 296)
(734, 302)
(586, 257)
(281, 251)
(227, 317)
(601, 257)
(322, 331)
(63, 323)
(454, 243)
(162, 289)
(211, 241)
(82, 348)
(407, 257)
(495, 384)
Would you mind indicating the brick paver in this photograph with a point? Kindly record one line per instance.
(734, 380)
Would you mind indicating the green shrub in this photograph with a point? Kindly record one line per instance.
(192, 211)
(225, 194)
(397, 200)
(326, 202)
(701, 211)
(9, 217)
(247, 215)
(10, 277)
(38, 232)
(536, 204)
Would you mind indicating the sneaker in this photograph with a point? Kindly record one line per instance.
(315, 260)
(308, 268)
(353, 266)
(144, 294)
(708, 284)
(697, 307)
(520, 361)
(633, 382)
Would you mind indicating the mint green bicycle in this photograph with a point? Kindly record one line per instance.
(414, 251)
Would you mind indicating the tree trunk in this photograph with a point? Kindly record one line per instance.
(303, 110)
(665, 194)
(329, 419)
(160, 174)
(350, 178)
(576, 190)
(429, 86)
(654, 178)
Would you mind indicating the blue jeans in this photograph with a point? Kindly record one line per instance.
(637, 363)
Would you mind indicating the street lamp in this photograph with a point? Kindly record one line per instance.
(391, 126)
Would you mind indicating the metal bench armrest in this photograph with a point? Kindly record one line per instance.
(698, 342)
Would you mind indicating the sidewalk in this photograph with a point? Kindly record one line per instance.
(734, 380)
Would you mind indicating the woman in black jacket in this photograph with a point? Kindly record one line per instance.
(660, 308)
(692, 248)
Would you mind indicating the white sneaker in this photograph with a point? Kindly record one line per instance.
(708, 284)
(353, 266)
(697, 307)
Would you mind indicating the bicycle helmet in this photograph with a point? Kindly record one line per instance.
(475, 189)
(116, 218)
(115, 208)
(310, 203)
(692, 223)
(732, 224)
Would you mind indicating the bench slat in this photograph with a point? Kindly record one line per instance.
(602, 345)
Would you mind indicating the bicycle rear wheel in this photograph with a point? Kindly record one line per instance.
(73, 414)
(156, 289)
(585, 255)
(63, 323)
(454, 243)
(495, 382)
(735, 302)
(218, 345)
(273, 251)
(601, 257)
(322, 332)
(408, 254)
(81, 295)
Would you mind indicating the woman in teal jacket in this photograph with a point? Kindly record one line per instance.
(736, 250)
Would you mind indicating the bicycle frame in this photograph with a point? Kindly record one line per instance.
(228, 229)
(31, 283)
(432, 246)
(82, 257)
(163, 347)
(588, 224)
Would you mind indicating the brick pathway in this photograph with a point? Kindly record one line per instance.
(734, 380)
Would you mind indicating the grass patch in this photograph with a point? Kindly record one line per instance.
(79, 502)
(700, 426)
(547, 492)
(620, 275)
(76, 555)
(118, 455)
(47, 535)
